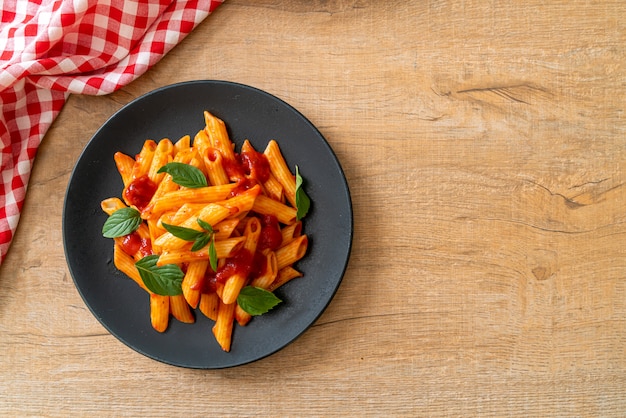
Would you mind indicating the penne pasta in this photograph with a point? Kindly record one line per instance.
(124, 164)
(281, 171)
(112, 204)
(159, 312)
(267, 206)
(175, 199)
(179, 308)
(143, 161)
(209, 304)
(284, 275)
(237, 229)
(224, 248)
(126, 264)
(162, 155)
(269, 271)
(192, 282)
(214, 164)
(292, 252)
(223, 328)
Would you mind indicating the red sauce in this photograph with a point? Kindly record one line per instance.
(209, 282)
(255, 165)
(140, 191)
(243, 184)
(133, 243)
(252, 165)
(259, 266)
(270, 233)
(233, 169)
(241, 263)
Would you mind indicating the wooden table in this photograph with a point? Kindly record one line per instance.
(484, 145)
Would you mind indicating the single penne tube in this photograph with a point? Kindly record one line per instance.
(209, 303)
(163, 153)
(198, 162)
(159, 312)
(183, 144)
(192, 282)
(213, 161)
(269, 271)
(290, 232)
(211, 214)
(144, 231)
(218, 135)
(242, 317)
(224, 249)
(201, 142)
(273, 188)
(154, 231)
(247, 146)
(252, 232)
(279, 168)
(224, 229)
(232, 287)
(124, 164)
(126, 264)
(179, 308)
(186, 211)
(143, 160)
(243, 202)
(266, 206)
(112, 204)
(292, 252)
(223, 328)
(175, 199)
(284, 275)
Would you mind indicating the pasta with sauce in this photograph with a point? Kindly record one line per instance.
(243, 208)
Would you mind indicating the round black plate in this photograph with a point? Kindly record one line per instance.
(171, 112)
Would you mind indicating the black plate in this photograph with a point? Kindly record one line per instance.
(177, 110)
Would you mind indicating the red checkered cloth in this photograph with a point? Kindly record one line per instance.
(50, 49)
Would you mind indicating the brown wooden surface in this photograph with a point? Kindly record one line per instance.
(484, 145)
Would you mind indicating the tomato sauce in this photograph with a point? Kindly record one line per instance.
(241, 263)
(208, 283)
(270, 238)
(243, 184)
(133, 243)
(255, 165)
(140, 191)
(248, 169)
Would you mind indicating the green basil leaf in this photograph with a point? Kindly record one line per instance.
(201, 241)
(187, 234)
(213, 254)
(256, 301)
(163, 280)
(205, 225)
(184, 174)
(303, 202)
(121, 222)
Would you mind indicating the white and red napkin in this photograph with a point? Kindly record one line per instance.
(50, 49)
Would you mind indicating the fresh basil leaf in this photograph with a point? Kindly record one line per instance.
(213, 254)
(121, 222)
(303, 202)
(256, 301)
(163, 280)
(187, 234)
(205, 225)
(201, 242)
(184, 174)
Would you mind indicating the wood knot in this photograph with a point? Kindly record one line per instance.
(541, 273)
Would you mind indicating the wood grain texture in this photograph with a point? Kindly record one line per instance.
(483, 143)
